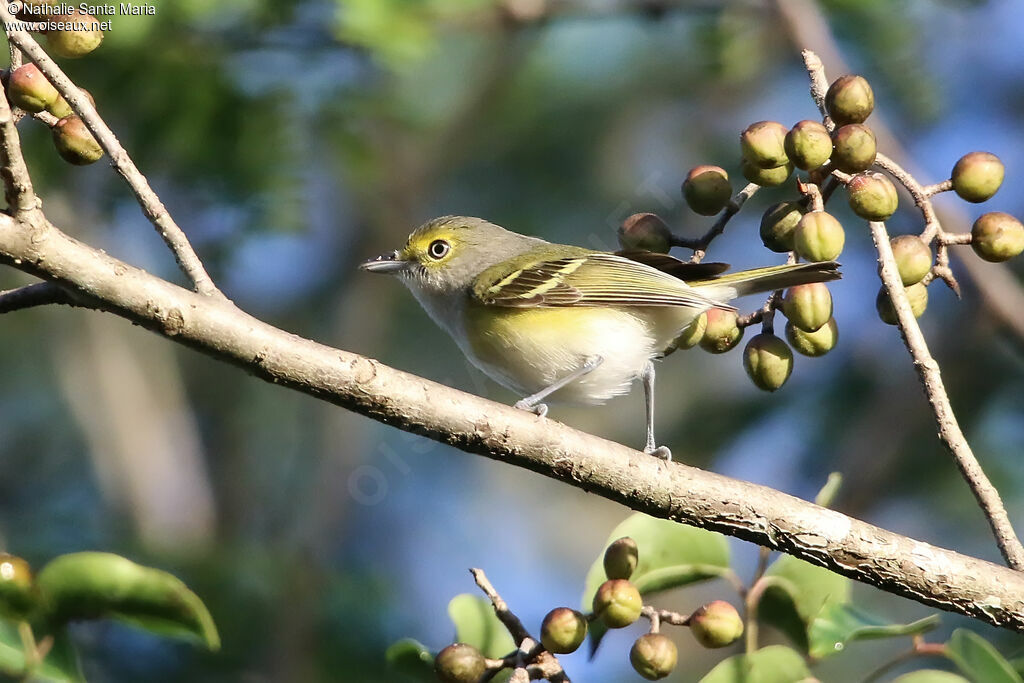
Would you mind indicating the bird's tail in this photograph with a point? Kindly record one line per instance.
(732, 285)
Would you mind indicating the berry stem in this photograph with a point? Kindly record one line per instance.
(700, 245)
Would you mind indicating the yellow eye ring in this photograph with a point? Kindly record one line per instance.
(438, 249)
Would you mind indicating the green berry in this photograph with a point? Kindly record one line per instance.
(872, 196)
(808, 306)
(766, 177)
(819, 237)
(854, 148)
(618, 603)
(816, 343)
(778, 225)
(459, 663)
(849, 100)
(60, 108)
(764, 144)
(808, 145)
(707, 189)
(74, 142)
(620, 558)
(29, 89)
(997, 236)
(716, 624)
(977, 176)
(17, 589)
(913, 258)
(645, 232)
(917, 294)
(721, 334)
(690, 336)
(563, 630)
(74, 42)
(768, 361)
(654, 656)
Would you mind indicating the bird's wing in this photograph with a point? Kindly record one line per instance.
(587, 279)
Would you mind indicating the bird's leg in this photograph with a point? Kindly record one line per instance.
(533, 401)
(648, 379)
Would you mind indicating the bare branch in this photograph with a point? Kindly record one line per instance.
(544, 663)
(701, 244)
(669, 490)
(937, 188)
(17, 182)
(152, 207)
(38, 294)
(501, 610)
(949, 429)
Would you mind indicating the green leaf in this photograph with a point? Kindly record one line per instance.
(412, 658)
(796, 593)
(828, 492)
(1018, 664)
(978, 659)
(59, 666)
(670, 555)
(94, 585)
(477, 625)
(838, 624)
(772, 664)
(930, 676)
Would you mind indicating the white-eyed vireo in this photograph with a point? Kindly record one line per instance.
(573, 324)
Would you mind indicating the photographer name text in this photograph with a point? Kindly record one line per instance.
(105, 10)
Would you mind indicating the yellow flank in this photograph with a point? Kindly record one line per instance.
(527, 349)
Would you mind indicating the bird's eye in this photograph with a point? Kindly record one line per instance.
(438, 249)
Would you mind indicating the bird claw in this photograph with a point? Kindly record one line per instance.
(539, 409)
(662, 452)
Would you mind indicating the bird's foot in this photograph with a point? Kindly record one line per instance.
(539, 409)
(662, 452)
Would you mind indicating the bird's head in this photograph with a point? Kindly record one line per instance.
(446, 254)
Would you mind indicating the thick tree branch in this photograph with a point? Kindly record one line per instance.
(670, 490)
(949, 429)
(152, 207)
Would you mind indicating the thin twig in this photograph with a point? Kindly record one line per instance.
(152, 207)
(17, 182)
(932, 226)
(530, 650)
(657, 617)
(37, 294)
(505, 615)
(936, 188)
(700, 244)
(949, 429)
(819, 84)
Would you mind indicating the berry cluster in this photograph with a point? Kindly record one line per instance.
(839, 150)
(617, 604)
(28, 88)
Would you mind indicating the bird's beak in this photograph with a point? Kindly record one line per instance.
(385, 263)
